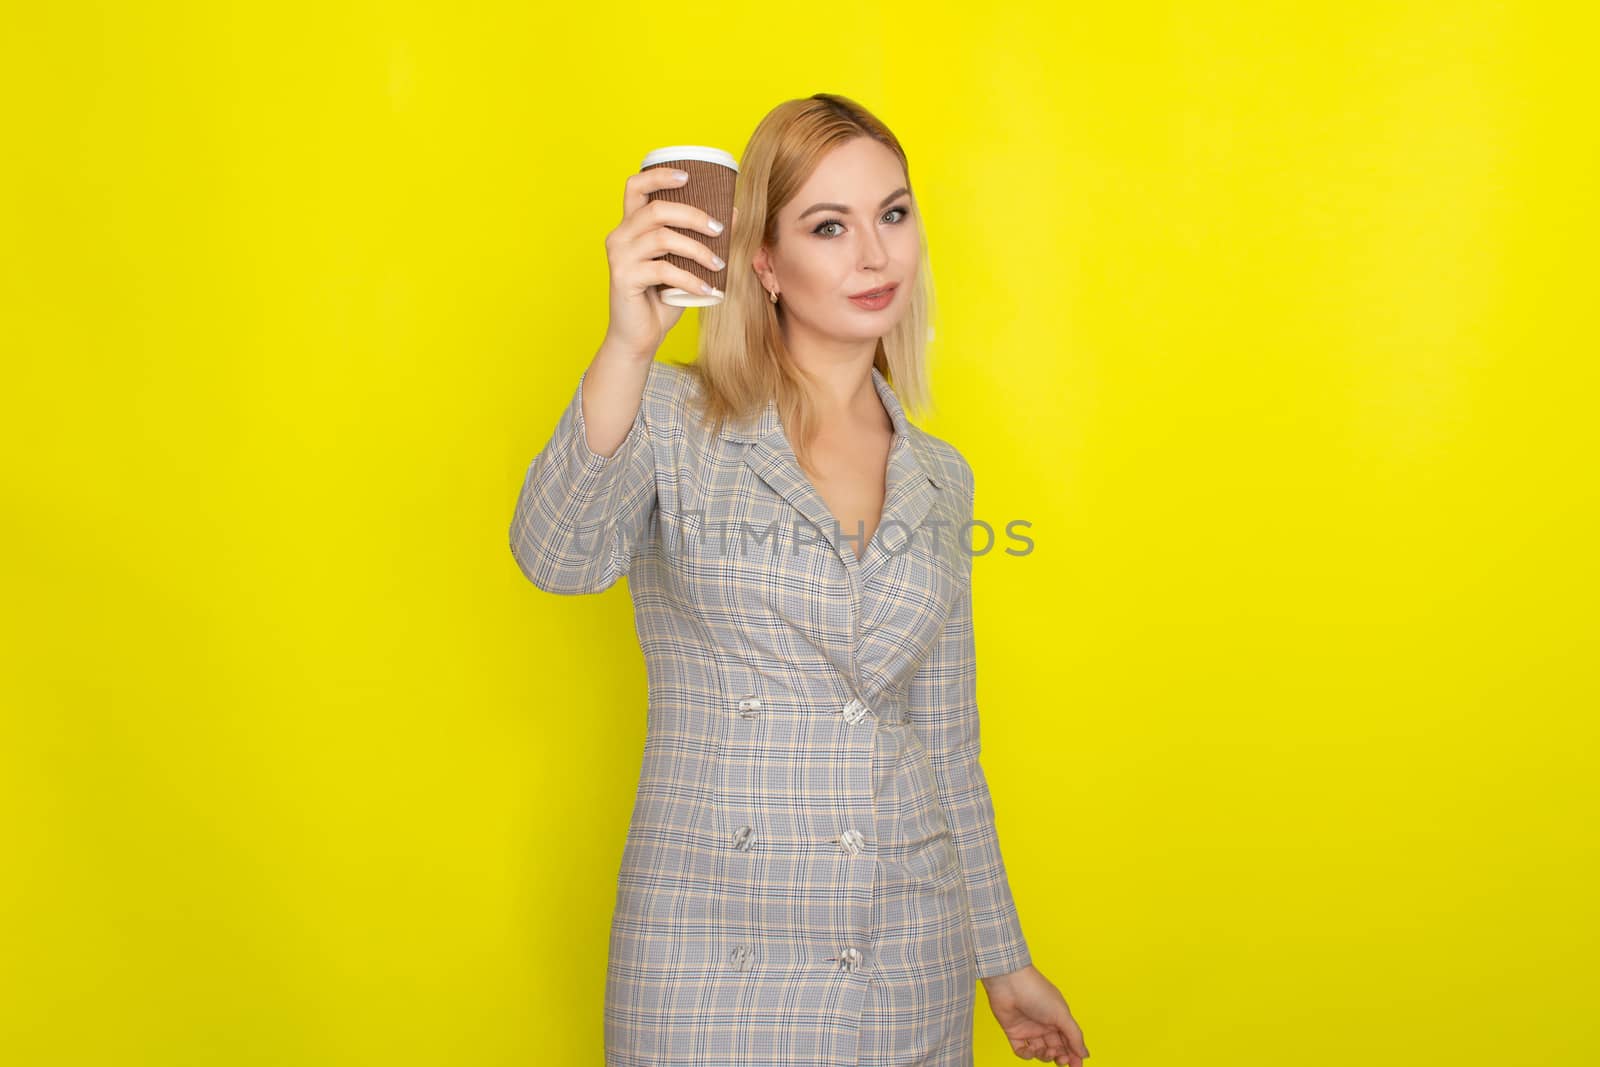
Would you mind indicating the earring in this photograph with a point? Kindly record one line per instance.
(774, 294)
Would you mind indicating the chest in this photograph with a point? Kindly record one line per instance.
(747, 550)
(851, 479)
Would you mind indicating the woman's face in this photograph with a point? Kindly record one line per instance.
(848, 230)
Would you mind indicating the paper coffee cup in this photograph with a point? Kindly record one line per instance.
(709, 188)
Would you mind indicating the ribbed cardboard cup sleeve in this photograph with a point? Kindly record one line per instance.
(709, 188)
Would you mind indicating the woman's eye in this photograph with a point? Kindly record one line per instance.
(903, 211)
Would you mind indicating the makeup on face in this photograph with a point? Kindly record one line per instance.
(876, 299)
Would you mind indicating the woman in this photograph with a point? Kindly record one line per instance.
(811, 873)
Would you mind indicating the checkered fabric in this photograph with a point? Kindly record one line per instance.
(811, 873)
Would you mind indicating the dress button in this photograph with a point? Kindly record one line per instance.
(852, 842)
(742, 837)
(850, 959)
(854, 711)
(740, 957)
(748, 707)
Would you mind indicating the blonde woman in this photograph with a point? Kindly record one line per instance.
(811, 873)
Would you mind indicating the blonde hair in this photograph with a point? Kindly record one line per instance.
(742, 361)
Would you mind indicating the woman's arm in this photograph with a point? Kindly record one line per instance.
(588, 497)
(943, 701)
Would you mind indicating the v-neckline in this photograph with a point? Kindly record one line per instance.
(909, 482)
(866, 540)
(895, 440)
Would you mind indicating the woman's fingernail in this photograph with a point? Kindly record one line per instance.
(680, 175)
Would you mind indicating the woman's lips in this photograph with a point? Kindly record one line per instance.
(878, 300)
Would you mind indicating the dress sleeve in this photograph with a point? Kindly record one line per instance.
(580, 515)
(943, 708)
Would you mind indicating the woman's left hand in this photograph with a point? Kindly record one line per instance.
(1035, 1017)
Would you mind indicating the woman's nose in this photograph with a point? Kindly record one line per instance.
(873, 252)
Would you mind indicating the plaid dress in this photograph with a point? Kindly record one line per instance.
(811, 873)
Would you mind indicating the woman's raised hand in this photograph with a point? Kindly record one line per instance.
(639, 318)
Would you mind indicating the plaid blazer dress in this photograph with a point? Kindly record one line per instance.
(811, 873)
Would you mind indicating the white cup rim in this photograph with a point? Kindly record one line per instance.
(699, 152)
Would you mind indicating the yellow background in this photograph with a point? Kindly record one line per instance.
(1269, 318)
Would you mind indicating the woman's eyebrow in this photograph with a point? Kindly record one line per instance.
(844, 210)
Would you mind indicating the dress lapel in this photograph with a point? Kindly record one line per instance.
(909, 485)
(773, 460)
(908, 495)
